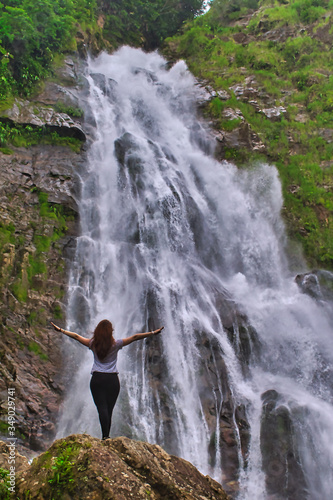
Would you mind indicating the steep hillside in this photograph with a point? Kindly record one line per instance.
(269, 73)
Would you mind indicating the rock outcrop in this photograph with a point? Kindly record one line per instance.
(80, 466)
(29, 113)
(281, 461)
(317, 284)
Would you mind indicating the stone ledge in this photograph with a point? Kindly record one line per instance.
(27, 113)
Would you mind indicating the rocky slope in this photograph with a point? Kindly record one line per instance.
(84, 467)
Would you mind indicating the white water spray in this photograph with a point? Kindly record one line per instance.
(166, 230)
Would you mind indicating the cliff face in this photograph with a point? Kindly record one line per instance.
(84, 467)
(39, 223)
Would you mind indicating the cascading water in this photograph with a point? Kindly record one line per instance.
(172, 237)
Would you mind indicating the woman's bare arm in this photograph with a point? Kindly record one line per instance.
(72, 335)
(140, 336)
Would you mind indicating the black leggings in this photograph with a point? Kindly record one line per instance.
(105, 388)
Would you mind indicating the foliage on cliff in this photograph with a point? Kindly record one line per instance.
(147, 24)
(276, 57)
(34, 32)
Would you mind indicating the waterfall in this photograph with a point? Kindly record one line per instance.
(240, 381)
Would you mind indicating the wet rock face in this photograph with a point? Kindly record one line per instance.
(280, 457)
(317, 284)
(33, 283)
(38, 241)
(223, 413)
(114, 469)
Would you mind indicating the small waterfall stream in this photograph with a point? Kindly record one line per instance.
(172, 237)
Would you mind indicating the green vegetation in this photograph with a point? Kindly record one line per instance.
(293, 69)
(141, 23)
(34, 32)
(3, 429)
(292, 66)
(4, 477)
(69, 110)
(57, 312)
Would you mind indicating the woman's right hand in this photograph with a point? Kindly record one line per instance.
(57, 328)
(156, 332)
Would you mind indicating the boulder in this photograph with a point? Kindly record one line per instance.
(326, 134)
(80, 466)
(275, 113)
(242, 137)
(204, 93)
(317, 284)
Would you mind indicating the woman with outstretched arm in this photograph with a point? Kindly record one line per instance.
(104, 384)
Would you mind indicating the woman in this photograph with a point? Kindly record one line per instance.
(104, 384)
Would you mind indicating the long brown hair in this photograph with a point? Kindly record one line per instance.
(103, 338)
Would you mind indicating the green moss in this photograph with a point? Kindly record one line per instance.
(6, 236)
(63, 468)
(36, 317)
(36, 349)
(20, 290)
(6, 151)
(3, 427)
(57, 312)
(6, 103)
(42, 461)
(19, 341)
